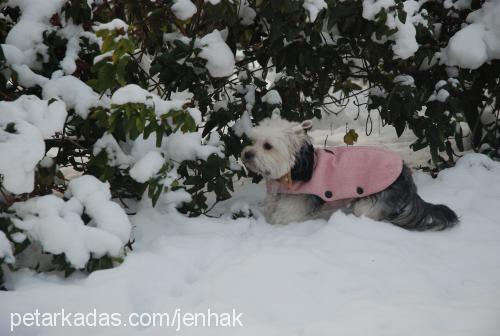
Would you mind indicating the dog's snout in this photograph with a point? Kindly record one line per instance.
(249, 154)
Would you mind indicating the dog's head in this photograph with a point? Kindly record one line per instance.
(280, 147)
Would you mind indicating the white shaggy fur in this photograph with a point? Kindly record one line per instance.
(273, 162)
(285, 139)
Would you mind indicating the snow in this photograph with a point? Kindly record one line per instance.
(372, 7)
(15, 58)
(21, 151)
(249, 97)
(133, 93)
(346, 276)
(12, 54)
(57, 226)
(75, 93)
(440, 96)
(180, 147)
(467, 48)
(172, 199)
(457, 4)
(5, 249)
(115, 24)
(405, 43)
(246, 13)
(147, 167)
(478, 42)
(28, 78)
(23, 147)
(72, 49)
(116, 156)
(18, 237)
(243, 125)
(195, 114)
(183, 9)
(405, 80)
(272, 97)
(313, 7)
(95, 196)
(220, 58)
(27, 34)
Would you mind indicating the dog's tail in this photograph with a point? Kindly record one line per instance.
(419, 215)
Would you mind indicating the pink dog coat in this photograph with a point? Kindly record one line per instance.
(342, 173)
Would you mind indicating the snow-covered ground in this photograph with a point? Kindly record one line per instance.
(345, 276)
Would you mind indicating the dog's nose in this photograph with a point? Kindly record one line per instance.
(249, 155)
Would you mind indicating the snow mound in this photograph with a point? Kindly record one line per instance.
(272, 97)
(27, 33)
(5, 249)
(24, 124)
(187, 146)
(477, 43)
(313, 7)
(183, 9)
(116, 156)
(58, 227)
(95, 196)
(75, 93)
(405, 42)
(147, 167)
(115, 24)
(220, 58)
(133, 93)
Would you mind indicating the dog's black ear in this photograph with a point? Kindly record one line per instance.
(304, 163)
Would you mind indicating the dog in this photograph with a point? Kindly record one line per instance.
(304, 182)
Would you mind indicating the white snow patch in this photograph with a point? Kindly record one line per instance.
(27, 33)
(478, 42)
(6, 253)
(133, 93)
(405, 80)
(246, 13)
(405, 43)
(75, 93)
(116, 156)
(30, 120)
(313, 7)
(147, 167)
(272, 97)
(180, 147)
(58, 227)
(243, 125)
(95, 196)
(115, 24)
(183, 9)
(220, 58)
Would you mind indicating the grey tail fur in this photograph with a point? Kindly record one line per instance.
(423, 216)
(411, 212)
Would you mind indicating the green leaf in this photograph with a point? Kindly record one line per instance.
(401, 13)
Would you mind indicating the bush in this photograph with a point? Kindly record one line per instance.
(153, 98)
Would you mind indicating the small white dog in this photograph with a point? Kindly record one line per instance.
(304, 182)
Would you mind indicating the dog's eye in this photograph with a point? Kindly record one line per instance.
(267, 146)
